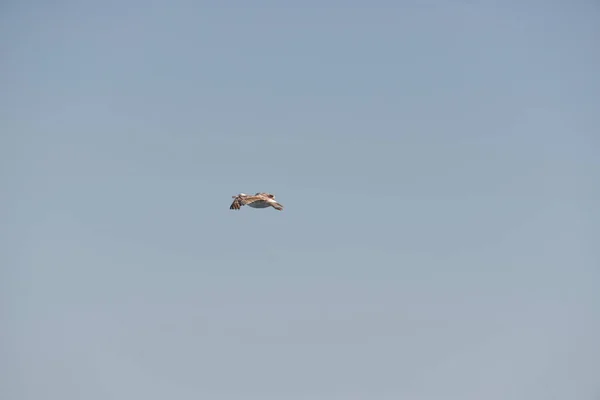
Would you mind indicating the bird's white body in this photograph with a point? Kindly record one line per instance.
(259, 204)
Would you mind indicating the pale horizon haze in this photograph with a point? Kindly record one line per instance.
(439, 165)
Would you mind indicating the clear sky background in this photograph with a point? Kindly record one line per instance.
(439, 164)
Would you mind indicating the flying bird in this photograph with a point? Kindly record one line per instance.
(259, 200)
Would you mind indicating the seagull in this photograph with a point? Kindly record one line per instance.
(259, 200)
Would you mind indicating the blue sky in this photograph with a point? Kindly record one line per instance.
(439, 167)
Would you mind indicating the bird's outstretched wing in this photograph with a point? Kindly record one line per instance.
(237, 203)
(240, 201)
(269, 195)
